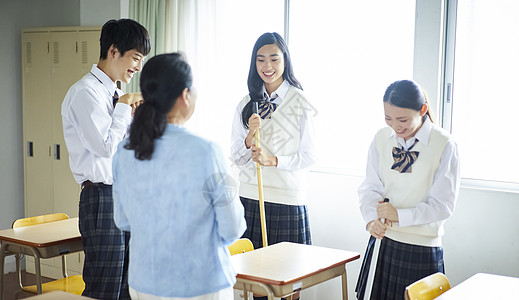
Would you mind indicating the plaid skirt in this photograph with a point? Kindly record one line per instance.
(105, 271)
(400, 264)
(285, 223)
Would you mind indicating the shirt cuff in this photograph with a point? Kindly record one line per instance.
(283, 162)
(122, 109)
(405, 217)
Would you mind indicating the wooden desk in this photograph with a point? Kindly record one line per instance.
(484, 286)
(41, 241)
(282, 269)
(57, 295)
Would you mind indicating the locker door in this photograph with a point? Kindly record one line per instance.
(89, 48)
(36, 123)
(65, 71)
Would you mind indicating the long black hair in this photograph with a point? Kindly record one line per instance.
(164, 77)
(254, 81)
(407, 94)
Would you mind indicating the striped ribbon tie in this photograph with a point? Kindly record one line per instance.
(404, 159)
(115, 98)
(266, 108)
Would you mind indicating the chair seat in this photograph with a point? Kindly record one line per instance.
(71, 284)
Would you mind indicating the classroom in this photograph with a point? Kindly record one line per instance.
(346, 56)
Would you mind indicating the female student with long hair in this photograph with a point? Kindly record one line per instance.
(287, 146)
(415, 164)
(173, 193)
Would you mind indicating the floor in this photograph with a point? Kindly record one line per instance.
(11, 288)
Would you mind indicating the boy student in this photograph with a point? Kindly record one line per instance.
(96, 117)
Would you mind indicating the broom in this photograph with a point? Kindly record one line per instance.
(260, 184)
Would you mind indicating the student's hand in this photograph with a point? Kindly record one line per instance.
(259, 156)
(387, 211)
(377, 229)
(130, 98)
(134, 106)
(254, 125)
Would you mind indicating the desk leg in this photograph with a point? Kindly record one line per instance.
(37, 268)
(2, 259)
(268, 290)
(344, 285)
(38, 274)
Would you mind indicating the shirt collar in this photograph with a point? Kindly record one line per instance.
(281, 92)
(105, 80)
(422, 135)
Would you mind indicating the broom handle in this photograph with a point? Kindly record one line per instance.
(261, 201)
(260, 184)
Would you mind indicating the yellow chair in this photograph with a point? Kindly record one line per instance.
(241, 246)
(70, 284)
(427, 288)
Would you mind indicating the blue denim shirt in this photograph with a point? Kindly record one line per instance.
(182, 210)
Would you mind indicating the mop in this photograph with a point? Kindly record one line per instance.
(369, 265)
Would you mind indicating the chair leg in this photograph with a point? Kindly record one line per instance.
(38, 274)
(64, 266)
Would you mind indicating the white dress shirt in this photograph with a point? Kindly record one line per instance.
(304, 158)
(92, 127)
(442, 196)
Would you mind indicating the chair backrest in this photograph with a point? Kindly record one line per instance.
(241, 246)
(428, 288)
(39, 220)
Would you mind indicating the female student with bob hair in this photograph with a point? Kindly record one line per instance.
(287, 145)
(414, 163)
(173, 193)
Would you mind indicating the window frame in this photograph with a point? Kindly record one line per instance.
(433, 67)
(448, 43)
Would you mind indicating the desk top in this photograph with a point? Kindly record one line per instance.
(44, 235)
(285, 263)
(58, 295)
(484, 286)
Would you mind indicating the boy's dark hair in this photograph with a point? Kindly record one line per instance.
(124, 34)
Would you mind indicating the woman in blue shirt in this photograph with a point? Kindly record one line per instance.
(173, 193)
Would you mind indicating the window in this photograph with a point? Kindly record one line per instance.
(225, 34)
(345, 54)
(485, 99)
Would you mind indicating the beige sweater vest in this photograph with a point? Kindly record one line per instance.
(406, 190)
(279, 136)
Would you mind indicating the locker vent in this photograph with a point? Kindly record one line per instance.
(84, 52)
(55, 46)
(28, 49)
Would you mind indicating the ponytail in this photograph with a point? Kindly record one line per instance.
(163, 79)
(428, 113)
(148, 125)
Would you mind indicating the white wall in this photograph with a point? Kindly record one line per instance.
(97, 12)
